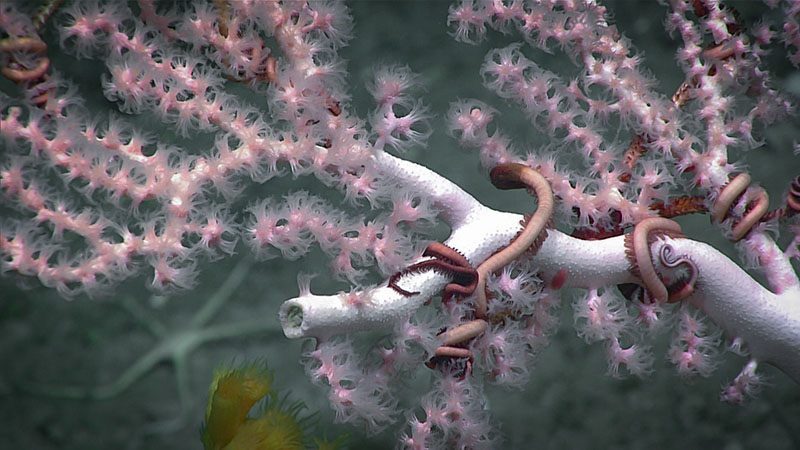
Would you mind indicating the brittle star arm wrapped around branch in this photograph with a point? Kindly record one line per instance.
(515, 176)
(767, 322)
(477, 233)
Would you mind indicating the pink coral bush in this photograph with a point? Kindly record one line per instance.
(256, 92)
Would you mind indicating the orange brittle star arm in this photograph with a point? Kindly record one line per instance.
(638, 252)
(729, 194)
(515, 176)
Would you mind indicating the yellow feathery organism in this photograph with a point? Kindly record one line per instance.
(276, 429)
(232, 395)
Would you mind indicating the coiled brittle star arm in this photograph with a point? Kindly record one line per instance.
(768, 322)
(639, 251)
(733, 190)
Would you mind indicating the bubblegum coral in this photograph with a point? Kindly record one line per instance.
(235, 122)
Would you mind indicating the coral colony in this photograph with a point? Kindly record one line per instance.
(94, 201)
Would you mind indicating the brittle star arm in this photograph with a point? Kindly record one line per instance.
(444, 259)
(768, 322)
(477, 233)
(515, 176)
